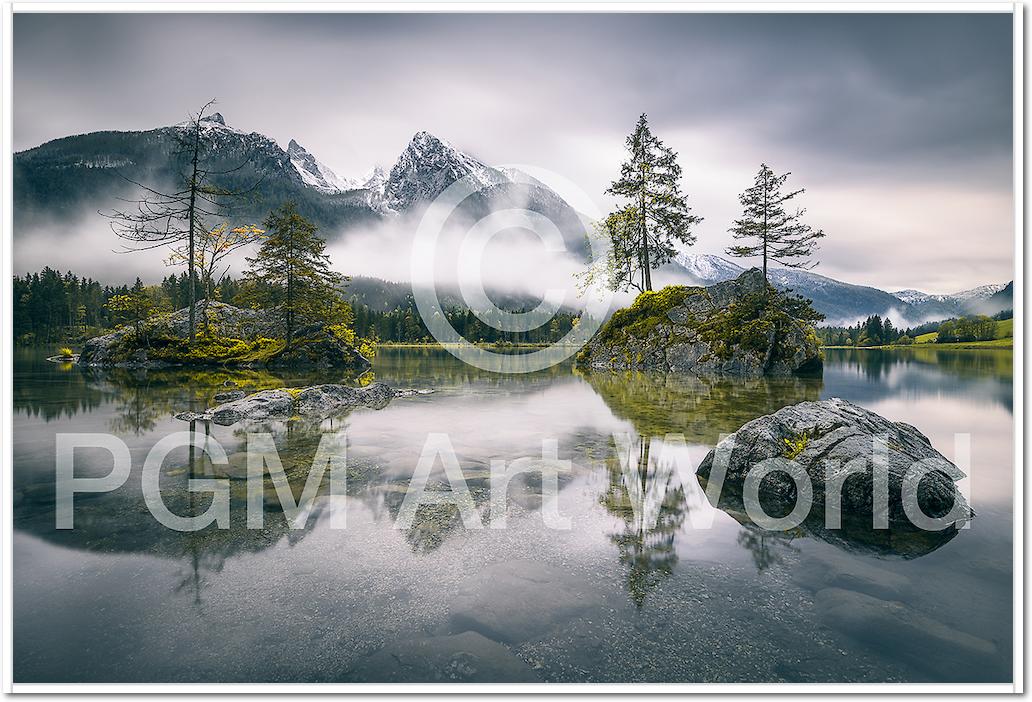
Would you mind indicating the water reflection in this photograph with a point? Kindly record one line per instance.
(652, 580)
(120, 522)
(647, 497)
(856, 534)
(766, 547)
(699, 408)
(871, 375)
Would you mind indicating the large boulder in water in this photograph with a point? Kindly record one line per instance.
(314, 402)
(840, 445)
(724, 329)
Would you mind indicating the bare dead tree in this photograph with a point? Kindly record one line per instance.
(176, 218)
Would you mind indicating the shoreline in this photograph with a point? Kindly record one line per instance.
(994, 345)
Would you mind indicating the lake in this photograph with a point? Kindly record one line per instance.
(650, 583)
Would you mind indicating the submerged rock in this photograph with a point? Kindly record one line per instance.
(412, 392)
(723, 329)
(316, 401)
(189, 416)
(833, 441)
(520, 600)
(925, 643)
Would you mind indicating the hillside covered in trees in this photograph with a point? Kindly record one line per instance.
(876, 331)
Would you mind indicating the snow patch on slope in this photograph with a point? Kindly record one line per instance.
(315, 174)
(708, 268)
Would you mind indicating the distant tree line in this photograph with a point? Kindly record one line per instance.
(980, 328)
(405, 325)
(879, 331)
(53, 307)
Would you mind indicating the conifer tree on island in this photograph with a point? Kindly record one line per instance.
(291, 273)
(644, 232)
(772, 231)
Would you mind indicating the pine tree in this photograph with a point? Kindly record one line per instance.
(657, 215)
(291, 273)
(776, 233)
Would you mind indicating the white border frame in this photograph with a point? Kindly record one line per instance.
(6, 343)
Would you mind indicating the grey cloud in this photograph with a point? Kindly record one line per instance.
(888, 101)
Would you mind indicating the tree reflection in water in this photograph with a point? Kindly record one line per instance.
(647, 496)
(767, 547)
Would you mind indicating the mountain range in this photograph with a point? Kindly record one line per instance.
(845, 303)
(88, 172)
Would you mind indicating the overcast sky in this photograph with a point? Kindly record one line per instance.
(899, 126)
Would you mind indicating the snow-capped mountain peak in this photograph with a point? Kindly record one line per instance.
(214, 121)
(707, 268)
(316, 174)
(427, 166)
(982, 292)
(374, 179)
(911, 296)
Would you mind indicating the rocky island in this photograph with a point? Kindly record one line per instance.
(228, 336)
(740, 327)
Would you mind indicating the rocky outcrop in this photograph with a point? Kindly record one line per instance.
(731, 328)
(832, 440)
(314, 402)
(113, 350)
(232, 336)
(316, 347)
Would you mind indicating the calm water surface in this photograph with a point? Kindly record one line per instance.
(638, 589)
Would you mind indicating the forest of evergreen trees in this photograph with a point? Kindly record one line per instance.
(53, 307)
(405, 325)
(876, 331)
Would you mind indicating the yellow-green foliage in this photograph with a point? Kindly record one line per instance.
(366, 347)
(748, 323)
(215, 349)
(795, 445)
(811, 338)
(65, 352)
(647, 311)
(1005, 328)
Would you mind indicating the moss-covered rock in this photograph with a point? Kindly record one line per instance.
(739, 327)
(227, 336)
